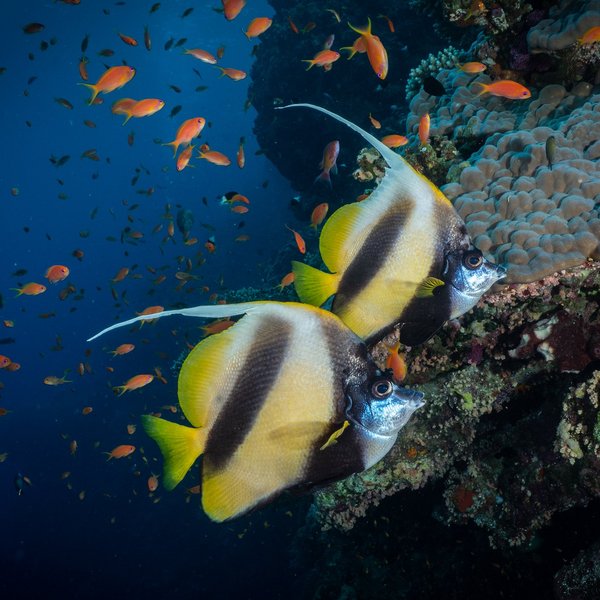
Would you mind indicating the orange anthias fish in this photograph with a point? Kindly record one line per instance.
(112, 79)
(30, 289)
(374, 121)
(318, 214)
(234, 74)
(375, 51)
(134, 383)
(121, 451)
(217, 326)
(122, 349)
(286, 280)
(184, 157)
(299, 241)
(232, 8)
(123, 107)
(505, 88)
(187, 132)
(202, 55)
(322, 59)
(56, 273)
(394, 140)
(472, 67)
(257, 26)
(151, 310)
(4, 361)
(359, 46)
(122, 273)
(152, 483)
(128, 39)
(145, 108)
(240, 156)
(329, 161)
(591, 36)
(395, 362)
(424, 126)
(214, 157)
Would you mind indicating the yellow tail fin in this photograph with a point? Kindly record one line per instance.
(94, 89)
(365, 32)
(180, 447)
(313, 286)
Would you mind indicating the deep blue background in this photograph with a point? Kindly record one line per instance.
(117, 541)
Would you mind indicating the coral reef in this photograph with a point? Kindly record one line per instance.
(430, 66)
(524, 424)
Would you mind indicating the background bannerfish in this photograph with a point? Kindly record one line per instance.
(403, 255)
(285, 398)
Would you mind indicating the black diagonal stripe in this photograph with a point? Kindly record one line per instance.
(372, 256)
(253, 383)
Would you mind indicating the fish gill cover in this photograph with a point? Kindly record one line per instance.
(494, 484)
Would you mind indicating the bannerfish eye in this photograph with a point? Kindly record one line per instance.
(382, 388)
(473, 260)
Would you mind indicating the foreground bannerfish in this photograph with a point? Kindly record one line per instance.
(285, 398)
(402, 256)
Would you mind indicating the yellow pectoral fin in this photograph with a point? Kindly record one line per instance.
(180, 447)
(333, 438)
(428, 286)
(313, 286)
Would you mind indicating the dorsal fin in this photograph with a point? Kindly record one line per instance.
(395, 161)
(213, 311)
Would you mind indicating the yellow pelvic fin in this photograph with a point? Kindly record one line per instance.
(427, 287)
(180, 447)
(333, 438)
(313, 286)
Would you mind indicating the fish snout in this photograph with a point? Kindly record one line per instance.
(413, 398)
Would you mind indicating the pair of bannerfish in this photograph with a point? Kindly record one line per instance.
(289, 396)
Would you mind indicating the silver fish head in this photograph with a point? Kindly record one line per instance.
(470, 275)
(381, 406)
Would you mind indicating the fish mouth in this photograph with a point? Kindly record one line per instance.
(501, 271)
(414, 398)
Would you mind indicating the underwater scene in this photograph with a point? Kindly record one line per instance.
(300, 299)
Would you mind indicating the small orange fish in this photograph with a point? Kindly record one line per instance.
(374, 121)
(121, 451)
(210, 246)
(128, 39)
(73, 447)
(56, 273)
(395, 362)
(220, 52)
(389, 22)
(591, 36)
(187, 131)
(234, 74)
(145, 108)
(286, 280)
(131, 429)
(83, 68)
(376, 51)
(505, 88)
(134, 383)
(394, 140)
(329, 161)
(184, 157)
(293, 25)
(240, 156)
(239, 209)
(14, 366)
(232, 8)
(318, 214)
(122, 349)
(359, 46)
(472, 67)
(216, 158)
(257, 26)
(202, 55)
(322, 59)
(299, 241)
(242, 238)
(424, 126)
(7, 323)
(30, 289)
(122, 273)
(217, 326)
(152, 483)
(86, 410)
(111, 80)
(150, 310)
(4, 412)
(4, 361)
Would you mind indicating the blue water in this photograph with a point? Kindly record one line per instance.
(117, 539)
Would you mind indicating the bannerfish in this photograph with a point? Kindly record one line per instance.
(286, 398)
(401, 256)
